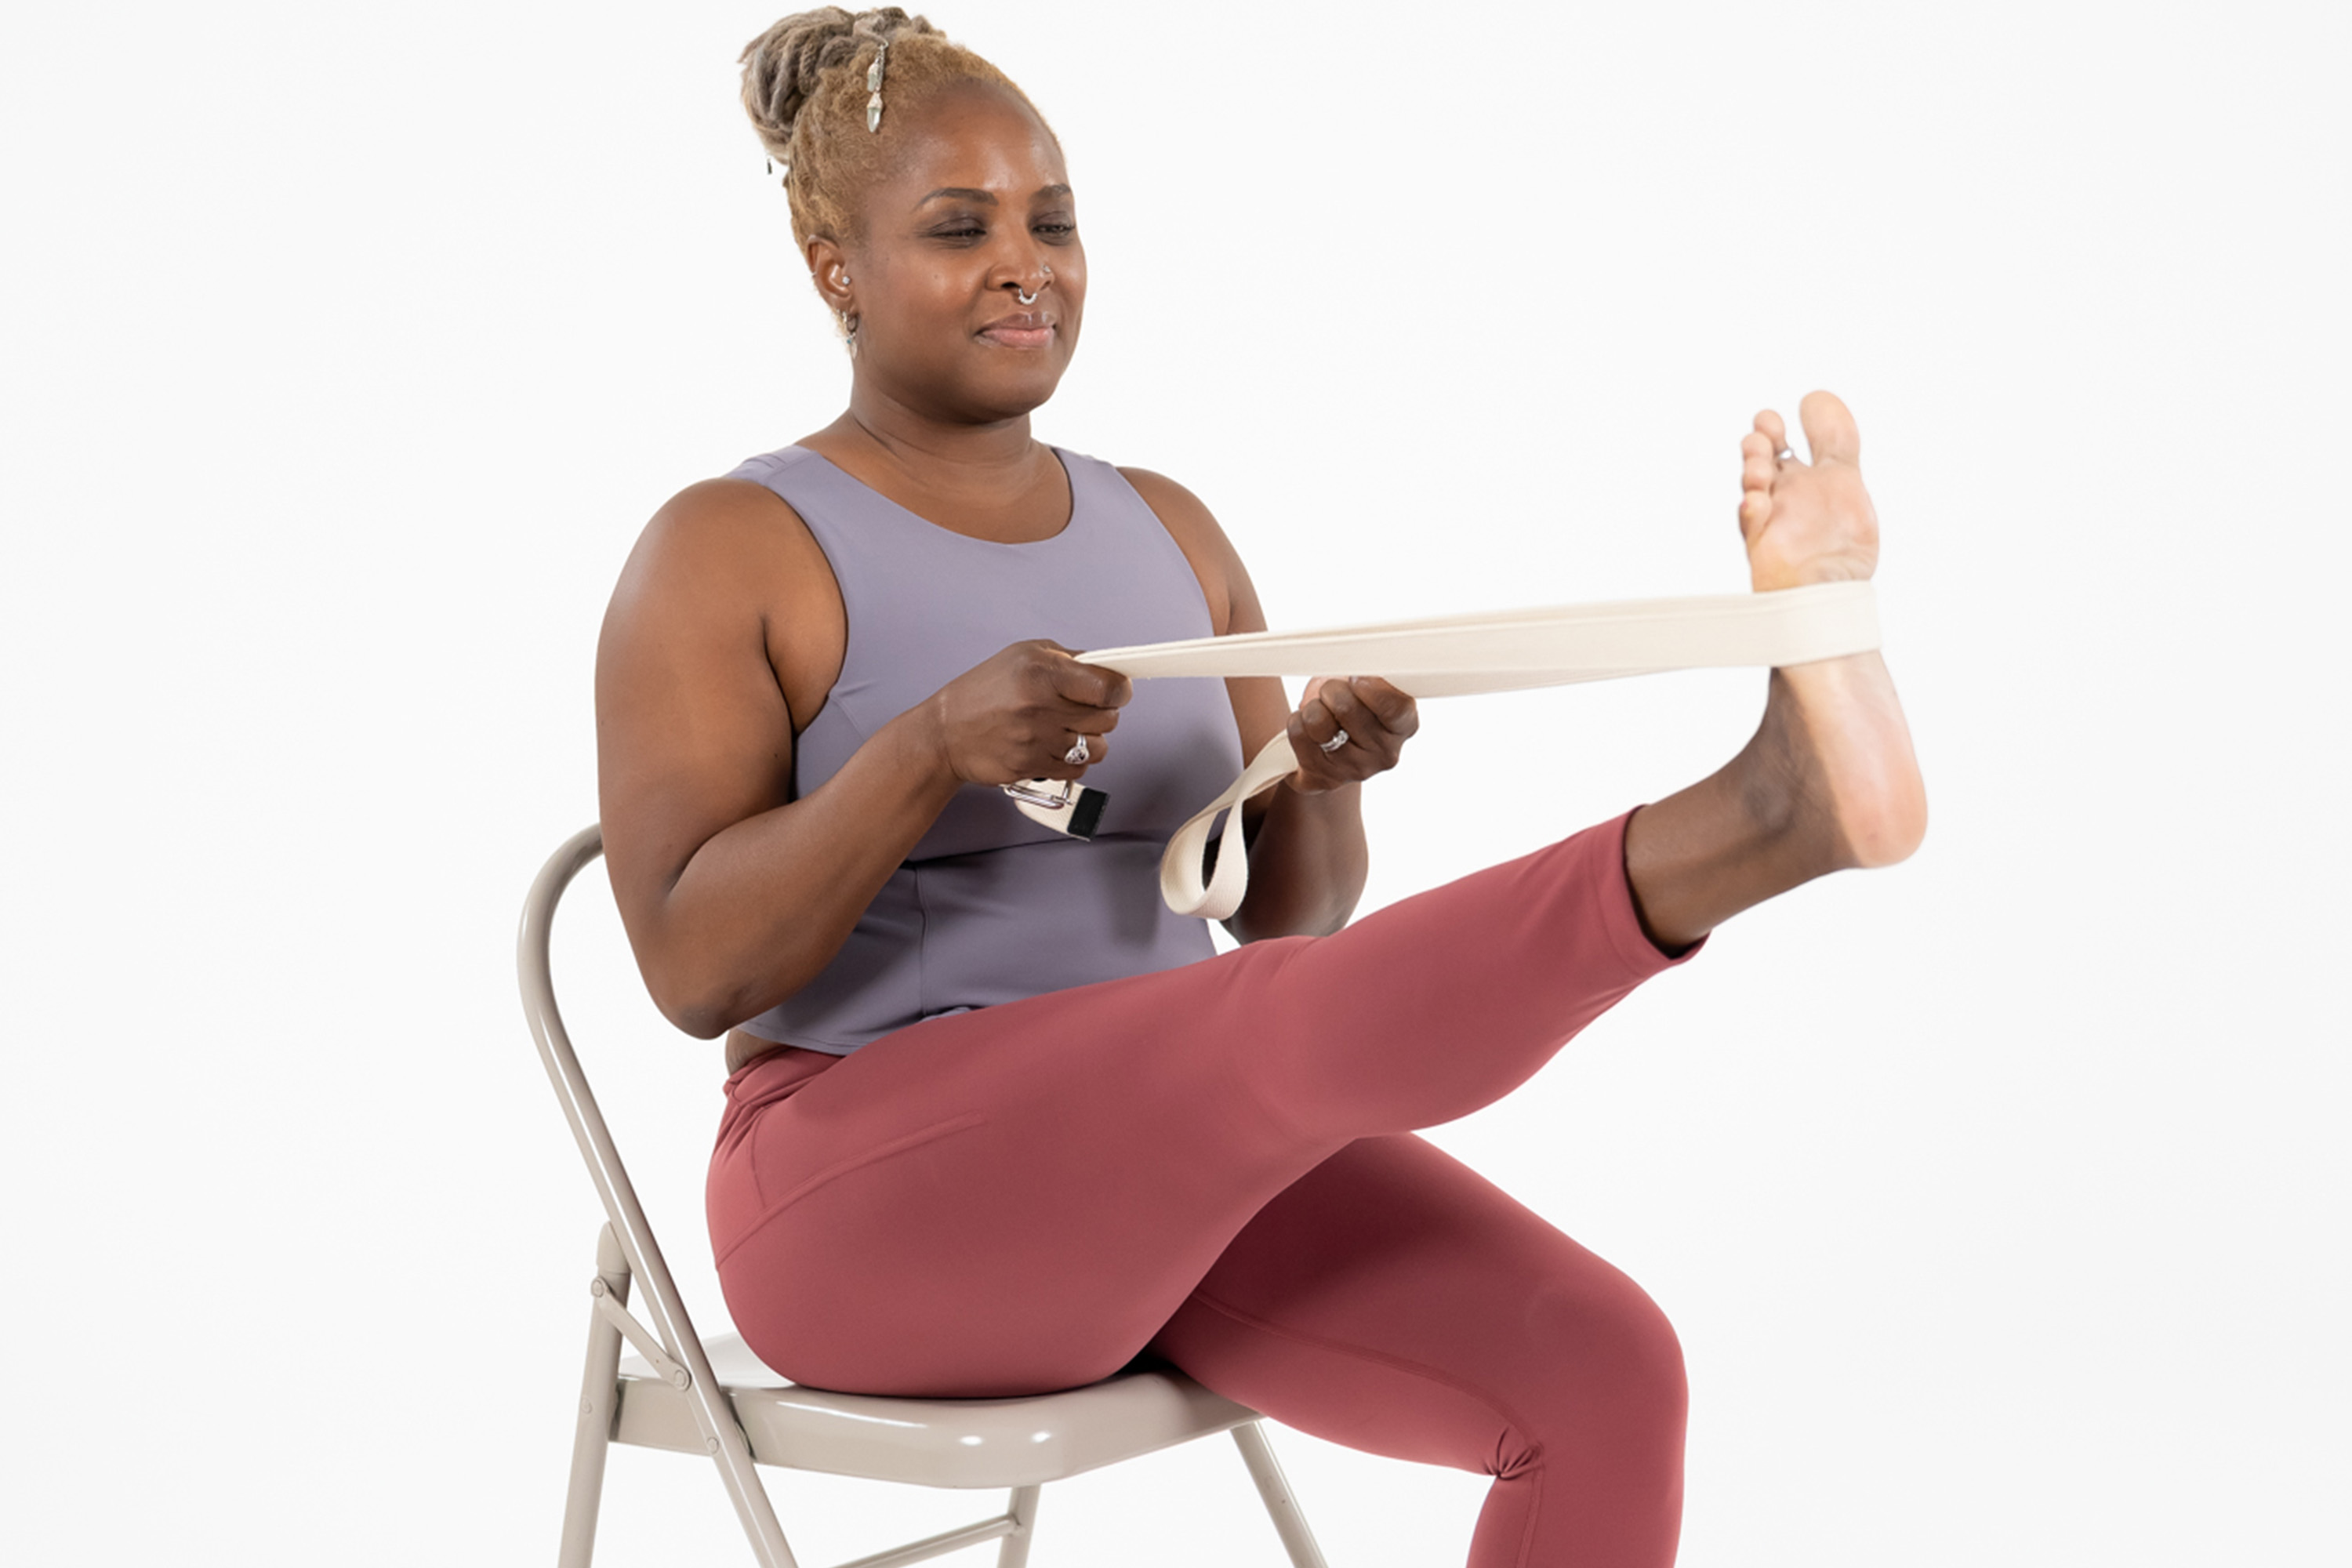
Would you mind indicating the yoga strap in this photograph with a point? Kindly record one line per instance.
(1453, 656)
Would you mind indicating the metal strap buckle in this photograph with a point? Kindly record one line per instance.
(1054, 801)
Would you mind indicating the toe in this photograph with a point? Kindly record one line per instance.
(1755, 511)
(1830, 432)
(1769, 426)
(1758, 471)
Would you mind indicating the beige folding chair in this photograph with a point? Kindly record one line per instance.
(717, 1399)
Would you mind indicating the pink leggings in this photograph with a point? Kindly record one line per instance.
(1214, 1164)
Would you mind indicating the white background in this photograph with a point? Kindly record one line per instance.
(1999, 1199)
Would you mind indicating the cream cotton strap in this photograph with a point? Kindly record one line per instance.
(1453, 656)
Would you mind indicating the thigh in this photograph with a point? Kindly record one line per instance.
(1003, 1201)
(1393, 1301)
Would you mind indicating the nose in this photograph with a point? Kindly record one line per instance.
(1021, 270)
(1030, 283)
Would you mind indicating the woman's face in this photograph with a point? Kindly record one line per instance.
(977, 212)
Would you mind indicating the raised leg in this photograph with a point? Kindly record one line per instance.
(599, 1396)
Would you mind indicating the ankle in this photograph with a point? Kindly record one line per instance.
(1788, 814)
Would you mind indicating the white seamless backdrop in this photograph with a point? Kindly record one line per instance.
(2000, 1199)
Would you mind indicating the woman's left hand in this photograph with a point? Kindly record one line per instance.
(1375, 717)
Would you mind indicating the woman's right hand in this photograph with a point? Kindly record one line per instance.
(1016, 716)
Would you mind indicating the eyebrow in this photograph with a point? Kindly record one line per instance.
(967, 193)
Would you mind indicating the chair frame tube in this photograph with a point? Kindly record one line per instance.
(714, 1417)
(600, 1382)
(1273, 1490)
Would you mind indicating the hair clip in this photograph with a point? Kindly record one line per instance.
(874, 86)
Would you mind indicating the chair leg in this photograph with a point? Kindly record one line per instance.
(1015, 1553)
(1288, 1522)
(600, 1388)
(756, 1515)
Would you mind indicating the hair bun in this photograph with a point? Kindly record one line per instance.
(781, 67)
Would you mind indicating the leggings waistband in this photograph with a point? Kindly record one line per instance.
(766, 1079)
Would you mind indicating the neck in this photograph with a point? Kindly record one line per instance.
(934, 453)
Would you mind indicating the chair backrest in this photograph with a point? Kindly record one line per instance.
(534, 968)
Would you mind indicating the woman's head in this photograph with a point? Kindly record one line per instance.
(944, 234)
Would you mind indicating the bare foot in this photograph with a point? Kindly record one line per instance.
(1829, 781)
(1832, 730)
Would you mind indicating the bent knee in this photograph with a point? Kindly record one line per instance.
(1610, 1357)
(1602, 1402)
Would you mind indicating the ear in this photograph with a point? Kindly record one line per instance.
(828, 267)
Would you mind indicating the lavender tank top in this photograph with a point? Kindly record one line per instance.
(991, 906)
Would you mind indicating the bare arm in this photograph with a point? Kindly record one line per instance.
(1308, 858)
(733, 895)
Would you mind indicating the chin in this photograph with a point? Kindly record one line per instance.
(1009, 397)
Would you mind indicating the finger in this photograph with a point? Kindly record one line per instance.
(1090, 683)
(1317, 720)
(1348, 710)
(1396, 710)
(1372, 745)
(1315, 723)
(1051, 758)
(1831, 435)
(1080, 718)
(1318, 770)
(1361, 724)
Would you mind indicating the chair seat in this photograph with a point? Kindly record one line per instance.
(929, 1442)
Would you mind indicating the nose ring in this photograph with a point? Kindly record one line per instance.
(1029, 296)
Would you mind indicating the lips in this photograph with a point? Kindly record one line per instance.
(1025, 330)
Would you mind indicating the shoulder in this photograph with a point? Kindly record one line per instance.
(721, 537)
(727, 563)
(737, 515)
(712, 513)
(1177, 506)
(725, 569)
(1223, 580)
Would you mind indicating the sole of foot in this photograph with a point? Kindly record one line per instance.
(1837, 723)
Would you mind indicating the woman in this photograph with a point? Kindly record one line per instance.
(998, 1122)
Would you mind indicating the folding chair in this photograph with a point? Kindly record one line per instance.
(717, 1399)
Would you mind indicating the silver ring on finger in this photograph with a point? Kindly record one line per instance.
(1077, 755)
(1337, 739)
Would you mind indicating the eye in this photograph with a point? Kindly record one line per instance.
(961, 231)
(1056, 229)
